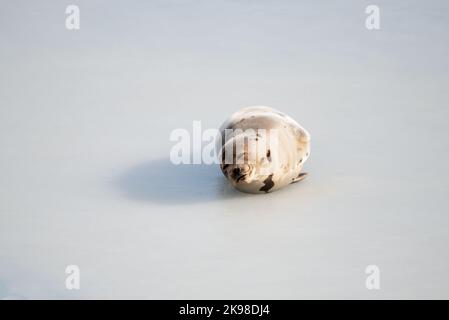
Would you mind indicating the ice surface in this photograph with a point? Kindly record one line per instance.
(85, 118)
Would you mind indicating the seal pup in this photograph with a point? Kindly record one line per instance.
(262, 149)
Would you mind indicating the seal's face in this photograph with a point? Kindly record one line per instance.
(239, 173)
(248, 165)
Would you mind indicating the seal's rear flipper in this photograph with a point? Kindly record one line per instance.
(300, 177)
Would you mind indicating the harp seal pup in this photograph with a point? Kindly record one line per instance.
(262, 149)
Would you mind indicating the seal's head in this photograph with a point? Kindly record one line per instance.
(246, 158)
(238, 173)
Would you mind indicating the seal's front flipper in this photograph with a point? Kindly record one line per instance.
(300, 177)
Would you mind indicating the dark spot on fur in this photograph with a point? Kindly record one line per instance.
(301, 175)
(269, 155)
(300, 160)
(268, 184)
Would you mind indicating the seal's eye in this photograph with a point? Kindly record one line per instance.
(236, 171)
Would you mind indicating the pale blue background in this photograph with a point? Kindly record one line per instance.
(85, 118)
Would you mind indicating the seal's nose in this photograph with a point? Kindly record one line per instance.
(238, 174)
